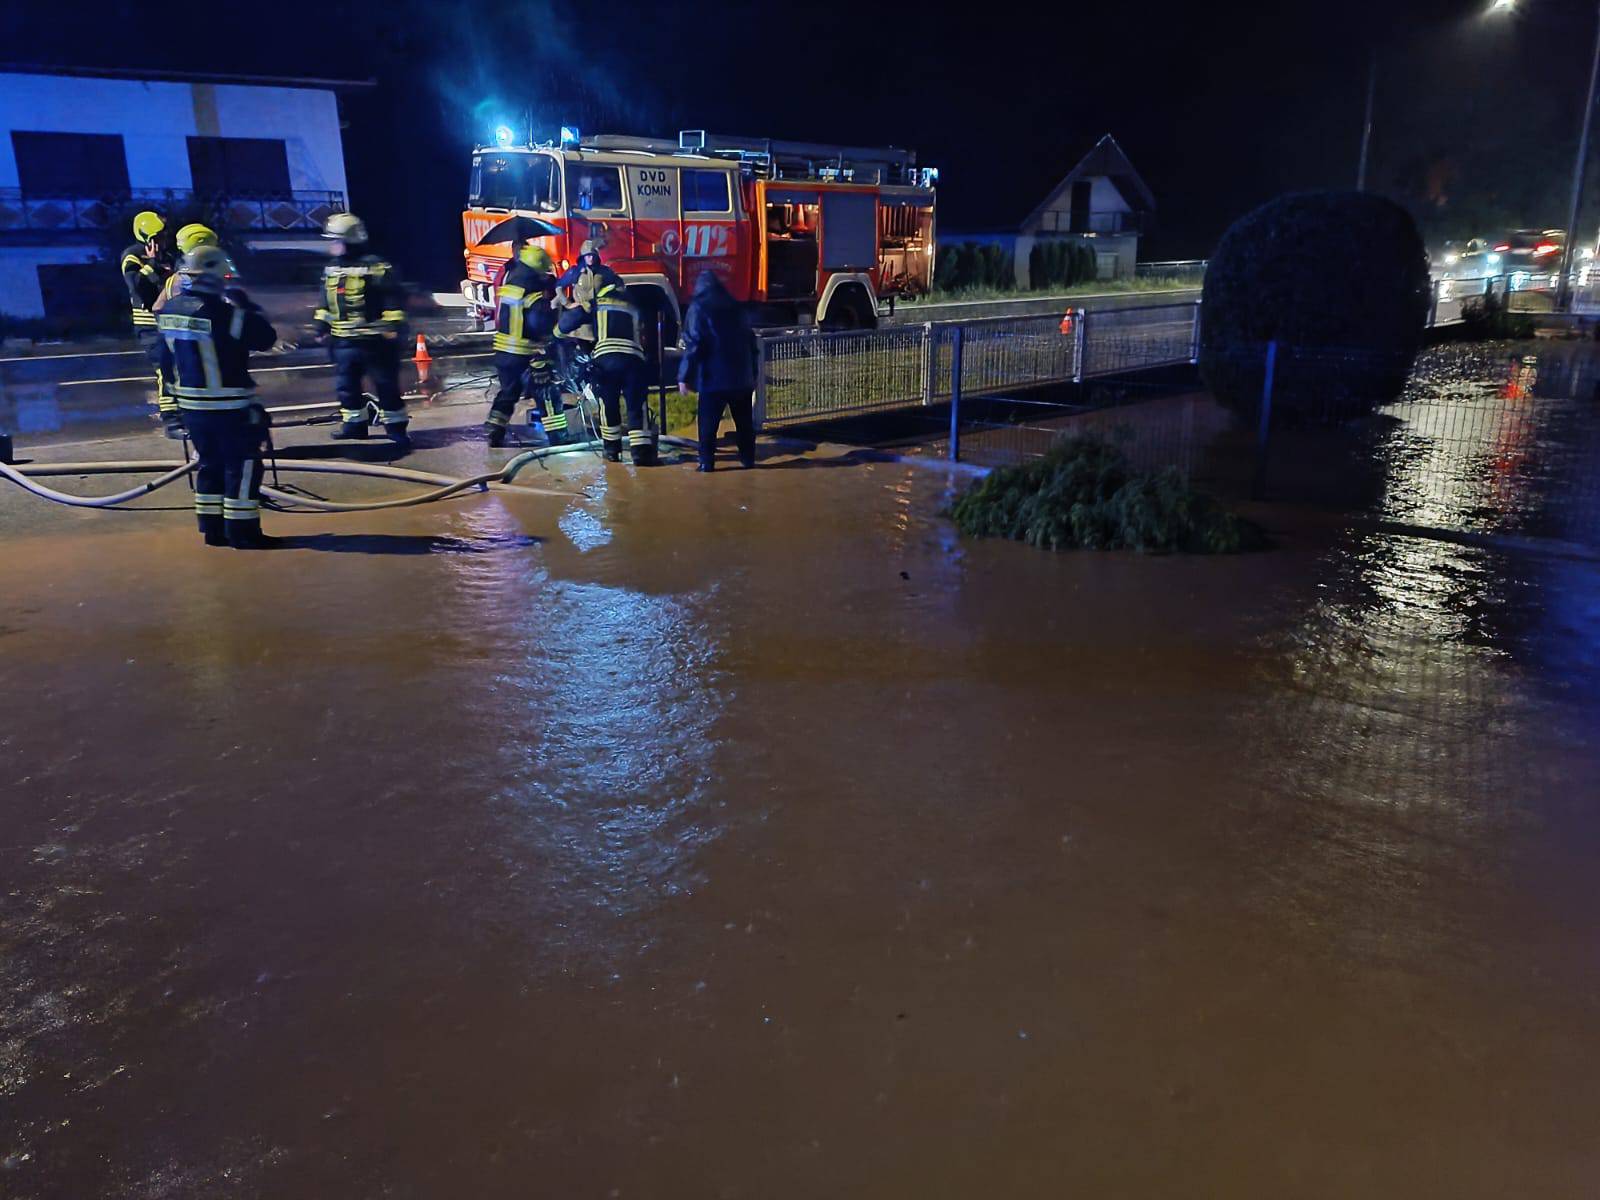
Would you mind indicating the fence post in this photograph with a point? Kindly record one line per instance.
(955, 393)
(1194, 334)
(930, 362)
(661, 372)
(1264, 431)
(1433, 304)
(1081, 338)
(759, 418)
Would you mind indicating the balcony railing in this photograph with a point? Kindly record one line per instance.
(289, 212)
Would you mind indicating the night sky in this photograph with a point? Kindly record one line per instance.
(1220, 106)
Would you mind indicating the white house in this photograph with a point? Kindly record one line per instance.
(82, 149)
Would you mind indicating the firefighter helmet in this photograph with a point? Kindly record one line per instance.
(192, 237)
(345, 227)
(147, 225)
(535, 257)
(589, 247)
(208, 269)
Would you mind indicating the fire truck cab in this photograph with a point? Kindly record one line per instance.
(802, 232)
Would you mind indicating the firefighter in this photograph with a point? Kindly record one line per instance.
(208, 330)
(363, 313)
(523, 323)
(719, 363)
(146, 267)
(575, 292)
(619, 372)
(190, 238)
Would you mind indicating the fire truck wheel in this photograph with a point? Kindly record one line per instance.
(849, 309)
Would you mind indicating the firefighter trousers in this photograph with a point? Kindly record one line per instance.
(166, 403)
(619, 379)
(375, 358)
(527, 375)
(739, 404)
(227, 481)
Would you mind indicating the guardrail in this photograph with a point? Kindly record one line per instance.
(813, 376)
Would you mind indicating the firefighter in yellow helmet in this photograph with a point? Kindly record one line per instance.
(190, 238)
(363, 313)
(619, 374)
(146, 267)
(523, 322)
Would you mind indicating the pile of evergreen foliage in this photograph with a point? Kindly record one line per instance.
(1084, 495)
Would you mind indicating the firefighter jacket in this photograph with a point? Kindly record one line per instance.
(144, 277)
(361, 297)
(522, 314)
(616, 325)
(207, 340)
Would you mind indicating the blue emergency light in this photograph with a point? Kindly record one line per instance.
(569, 135)
(503, 135)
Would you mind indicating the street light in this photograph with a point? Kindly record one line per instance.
(1564, 288)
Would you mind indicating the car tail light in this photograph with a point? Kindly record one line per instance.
(1546, 248)
(1503, 247)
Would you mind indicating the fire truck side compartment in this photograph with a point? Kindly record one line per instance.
(849, 231)
(792, 251)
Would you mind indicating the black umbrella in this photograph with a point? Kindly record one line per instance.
(519, 229)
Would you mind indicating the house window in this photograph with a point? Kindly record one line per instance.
(222, 166)
(705, 192)
(594, 187)
(70, 164)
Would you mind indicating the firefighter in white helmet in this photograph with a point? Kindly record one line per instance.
(619, 374)
(363, 314)
(208, 331)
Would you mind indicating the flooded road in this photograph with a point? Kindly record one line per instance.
(753, 836)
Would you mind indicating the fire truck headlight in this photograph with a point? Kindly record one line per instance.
(503, 135)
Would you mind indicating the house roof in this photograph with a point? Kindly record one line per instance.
(1109, 160)
(159, 76)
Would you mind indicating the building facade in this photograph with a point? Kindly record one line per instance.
(81, 150)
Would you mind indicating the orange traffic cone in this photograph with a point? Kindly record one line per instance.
(1066, 324)
(424, 363)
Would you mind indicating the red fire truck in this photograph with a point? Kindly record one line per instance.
(802, 232)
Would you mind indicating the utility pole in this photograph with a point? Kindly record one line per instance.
(1366, 128)
(1564, 288)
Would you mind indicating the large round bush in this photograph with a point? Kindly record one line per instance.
(1340, 281)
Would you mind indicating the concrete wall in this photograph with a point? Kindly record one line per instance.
(19, 274)
(155, 119)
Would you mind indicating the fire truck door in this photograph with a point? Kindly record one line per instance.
(597, 208)
(715, 238)
(657, 231)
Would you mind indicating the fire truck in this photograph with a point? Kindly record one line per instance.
(802, 232)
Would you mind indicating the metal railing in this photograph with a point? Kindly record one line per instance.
(1187, 271)
(816, 376)
(29, 212)
(1521, 290)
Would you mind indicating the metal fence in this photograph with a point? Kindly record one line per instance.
(1189, 271)
(1523, 291)
(815, 376)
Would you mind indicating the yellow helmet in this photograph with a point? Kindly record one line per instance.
(147, 225)
(535, 257)
(345, 227)
(192, 237)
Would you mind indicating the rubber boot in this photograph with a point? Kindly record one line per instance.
(172, 426)
(350, 431)
(247, 535)
(211, 527)
(643, 450)
(398, 434)
(494, 434)
(611, 450)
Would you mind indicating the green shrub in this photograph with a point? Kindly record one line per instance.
(1339, 280)
(947, 268)
(1084, 495)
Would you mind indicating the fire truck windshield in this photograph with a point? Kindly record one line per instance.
(513, 179)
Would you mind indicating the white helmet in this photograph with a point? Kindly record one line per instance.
(208, 269)
(345, 227)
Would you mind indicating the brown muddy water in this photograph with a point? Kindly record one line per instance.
(753, 836)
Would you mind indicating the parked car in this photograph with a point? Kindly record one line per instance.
(1471, 259)
(1532, 251)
